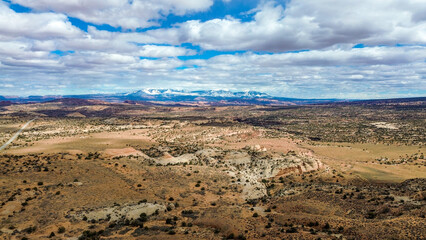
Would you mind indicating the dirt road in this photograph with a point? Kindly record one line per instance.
(16, 135)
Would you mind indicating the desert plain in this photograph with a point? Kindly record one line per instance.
(85, 169)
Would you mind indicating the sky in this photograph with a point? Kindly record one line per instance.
(353, 49)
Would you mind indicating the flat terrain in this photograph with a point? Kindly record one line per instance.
(93, 170)
(370, 161)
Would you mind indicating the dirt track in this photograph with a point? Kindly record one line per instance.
(16, 135)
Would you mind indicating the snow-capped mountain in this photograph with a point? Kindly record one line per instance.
(180, 97)
(172, 93)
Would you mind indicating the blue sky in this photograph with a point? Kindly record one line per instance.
(305, 49)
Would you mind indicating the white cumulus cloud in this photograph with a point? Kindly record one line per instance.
(306, 24)
(118, 13)
(35, 25)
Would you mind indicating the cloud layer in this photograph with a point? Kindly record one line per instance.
(127, 14)
(298, 48)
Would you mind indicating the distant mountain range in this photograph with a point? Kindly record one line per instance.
(172, 97)
(173, 94)
(177, 97)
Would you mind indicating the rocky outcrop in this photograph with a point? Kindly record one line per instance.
(249, 165)
(251, 175)
(117, 213)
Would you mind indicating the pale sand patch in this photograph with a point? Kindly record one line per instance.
(87, 143)
(76, 115)
(384, 125)
(124, 152)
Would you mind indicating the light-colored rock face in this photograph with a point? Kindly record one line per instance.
(128, 212)
(204, 156)
(169, 159)
(251, 174)
(237, 157)
(248, 166)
